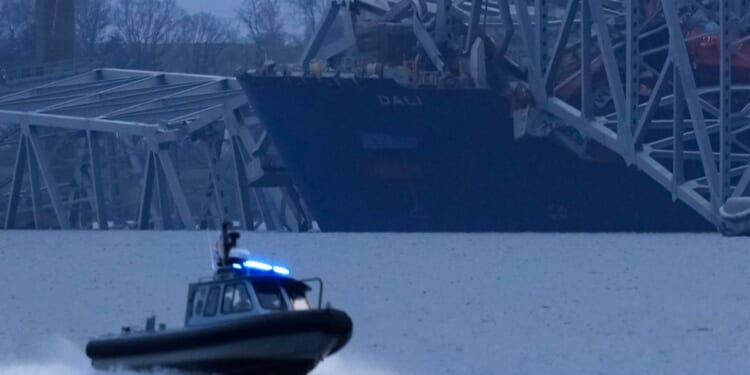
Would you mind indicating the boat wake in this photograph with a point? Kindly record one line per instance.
(63, 357)
(59, 356)
(343, 365)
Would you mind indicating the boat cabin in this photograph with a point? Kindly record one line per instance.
(245, 289)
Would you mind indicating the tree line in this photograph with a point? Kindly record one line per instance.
(160, 35)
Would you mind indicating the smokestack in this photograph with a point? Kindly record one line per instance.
(55, 30)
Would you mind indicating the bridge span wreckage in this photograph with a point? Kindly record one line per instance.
(119, 148)
(609, 107)
(675, 74)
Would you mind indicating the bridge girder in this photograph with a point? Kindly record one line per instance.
(149, 115)
(660, 115)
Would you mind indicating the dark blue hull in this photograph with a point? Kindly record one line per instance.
(370, 155)
(282, 343)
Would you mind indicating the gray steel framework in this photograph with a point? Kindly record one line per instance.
(151, 117)
(636, 94)
(687, 137)
(639, 91)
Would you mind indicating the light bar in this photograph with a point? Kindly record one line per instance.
(257, 265)
(260, 266)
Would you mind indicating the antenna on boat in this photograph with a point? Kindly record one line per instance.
(211, 250)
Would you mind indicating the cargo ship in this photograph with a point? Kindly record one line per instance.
(371, 155)
(373, 151)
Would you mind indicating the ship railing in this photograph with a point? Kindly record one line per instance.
(429, 78)
(353, 69)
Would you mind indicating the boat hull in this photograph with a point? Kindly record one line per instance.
(281, 343)
(371, 155)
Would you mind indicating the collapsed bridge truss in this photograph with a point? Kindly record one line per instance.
(118, 148)
(675, 83)
(662, 84)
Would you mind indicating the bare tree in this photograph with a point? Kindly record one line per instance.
(148, 28)
(309, 12)
(93, 18)
(265, 24)
(16, 18)
(205, 37)
(16, 29)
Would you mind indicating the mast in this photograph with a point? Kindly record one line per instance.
(228, 241)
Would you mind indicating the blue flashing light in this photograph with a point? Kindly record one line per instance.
(260, 266)
(257, 265)
(281, 270)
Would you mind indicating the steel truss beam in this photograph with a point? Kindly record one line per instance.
(242, 158)
(279, 209)
(148, 116)
(316, 42)
(432, 26)
(32, 161)
(160, 177)
(665, 122)
(96, 159)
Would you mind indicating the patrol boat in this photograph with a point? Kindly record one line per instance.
(250, 317)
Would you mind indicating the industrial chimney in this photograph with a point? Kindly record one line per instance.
(55, 30)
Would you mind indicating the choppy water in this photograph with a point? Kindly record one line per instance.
(421, 303)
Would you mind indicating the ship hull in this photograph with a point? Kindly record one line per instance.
(371, 155)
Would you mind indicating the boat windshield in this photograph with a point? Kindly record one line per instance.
(300, 303)
(236, 299)
(297, 297)
(269, 295)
